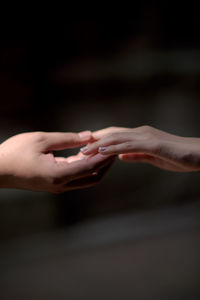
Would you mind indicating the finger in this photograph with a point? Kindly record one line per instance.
(127, 147)
(155, 161)
(76, 157)
(81, 168)
(60, 159)
(73, 158)
(110, 130)
(62, 140)
(91, 180)
(113, 139)
(143, 158)
(129, 157)
(137, 157)
(106, 131)
(69, 159)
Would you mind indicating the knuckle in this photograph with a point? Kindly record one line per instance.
(155, 146)
(149, 135)
(129, 145)
(114, 136)
(73, 136)
(112, 128)
(39, 136)
(146, 128)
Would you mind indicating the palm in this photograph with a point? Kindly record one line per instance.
(69, 159)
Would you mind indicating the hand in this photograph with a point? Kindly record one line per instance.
(148, 145)
(27, 162)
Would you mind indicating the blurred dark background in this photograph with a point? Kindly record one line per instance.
(74, 74)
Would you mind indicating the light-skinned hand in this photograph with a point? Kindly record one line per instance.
(27, 162)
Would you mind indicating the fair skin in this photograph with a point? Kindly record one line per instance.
(147, 145)
(27, 162)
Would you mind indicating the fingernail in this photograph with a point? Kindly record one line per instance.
(85, 134)
(102, 149)
(84, 149)
(82, 157)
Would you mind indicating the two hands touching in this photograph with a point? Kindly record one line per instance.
(27, 160)
(147, 145)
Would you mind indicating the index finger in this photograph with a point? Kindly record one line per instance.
(63, 140)
(106, 131)
(111, 139)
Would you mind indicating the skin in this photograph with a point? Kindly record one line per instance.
(27, 162)
(147, 145)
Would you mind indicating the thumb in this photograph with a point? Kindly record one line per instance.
(62, 140)
(133, 157)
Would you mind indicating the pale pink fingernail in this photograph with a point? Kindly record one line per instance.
(102, 149)
(82, 157)
(84, 149)
(85, 134)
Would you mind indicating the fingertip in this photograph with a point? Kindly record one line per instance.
(125, 157)
(84, 150)
(96, 135)
(88, 151)
(85, 135)
(108, 151)
(102, 149)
